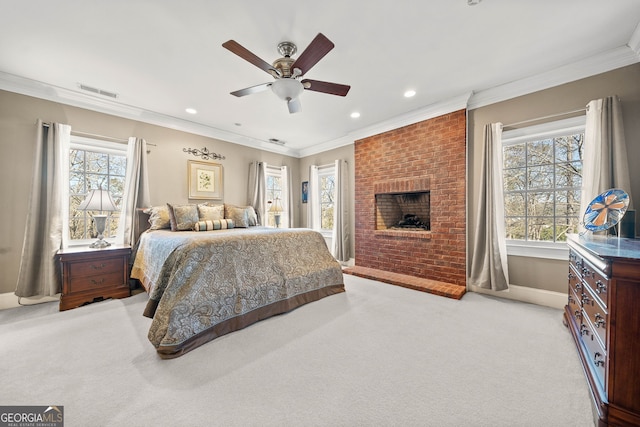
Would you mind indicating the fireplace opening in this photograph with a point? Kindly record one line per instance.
(403, 211)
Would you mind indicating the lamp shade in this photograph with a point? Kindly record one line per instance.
(276, 207)
(287, 88)
(98, 200)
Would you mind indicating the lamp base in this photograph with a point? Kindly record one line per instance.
(100, 221)
(100, 244)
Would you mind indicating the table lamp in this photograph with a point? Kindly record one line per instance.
(276, 208)
(99, 200)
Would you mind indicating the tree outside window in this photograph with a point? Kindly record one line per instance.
(542, 183)
(92, 169)
(327, 196)
(274, 191)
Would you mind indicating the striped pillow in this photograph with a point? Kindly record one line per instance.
(215, 224)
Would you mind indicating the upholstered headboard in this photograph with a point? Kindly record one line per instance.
(141, 223)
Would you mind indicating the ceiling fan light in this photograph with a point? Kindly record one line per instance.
(287, 89)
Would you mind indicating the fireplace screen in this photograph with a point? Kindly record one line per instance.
(403, 211)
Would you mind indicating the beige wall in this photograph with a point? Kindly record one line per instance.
(325, 158)
(167, 164)
(624, 82)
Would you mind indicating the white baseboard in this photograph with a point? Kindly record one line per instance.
(526, 294)
(10, 300)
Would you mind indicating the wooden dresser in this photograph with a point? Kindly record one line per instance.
(603, 315)
(90, 275)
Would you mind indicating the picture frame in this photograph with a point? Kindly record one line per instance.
(205, 180)
(305, 191)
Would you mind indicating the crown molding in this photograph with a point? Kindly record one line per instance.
(597, 64)
(634, 41)
(36, 89)
(415, 116)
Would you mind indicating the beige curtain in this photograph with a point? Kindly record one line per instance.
(287, 197)
(605, 163)
(313, 199)
(489, 258)
(136, 190)
(340, 242)
(48, 216)
(257, 190)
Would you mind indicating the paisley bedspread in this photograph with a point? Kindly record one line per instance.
(206, 284)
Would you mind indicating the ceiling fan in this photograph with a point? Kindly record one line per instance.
(287, 71)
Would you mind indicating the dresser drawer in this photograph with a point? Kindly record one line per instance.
(595, 353)
(596, 314)
(597, 282)
(98, 267)
(108, 280)
(575, 281)
(574, 306)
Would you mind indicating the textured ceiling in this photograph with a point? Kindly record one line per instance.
(161, 56)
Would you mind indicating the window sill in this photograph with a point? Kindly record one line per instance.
(558, 251)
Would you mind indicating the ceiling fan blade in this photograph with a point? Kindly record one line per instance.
(316, 50)
(326, 87)
(294, 105)
(245, 54)
(251, 90)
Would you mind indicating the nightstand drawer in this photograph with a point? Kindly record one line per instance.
(98, 267)
(109, 280)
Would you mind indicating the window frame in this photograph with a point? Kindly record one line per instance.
(276, 172)
(93, 145)
(570, 126)
(323, 171)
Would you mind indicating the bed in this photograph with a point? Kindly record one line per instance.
(203, 285)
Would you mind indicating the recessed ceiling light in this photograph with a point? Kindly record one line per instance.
(409, 93)
(355, 115)
(191, 111)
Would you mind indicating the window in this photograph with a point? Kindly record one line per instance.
(327, 182)
(276, 189)
(94, 164)
(542, 168)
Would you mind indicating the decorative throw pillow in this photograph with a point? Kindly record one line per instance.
(239, 215)
(211, 213)
(158, 217)
(216, 224)
(183, 217)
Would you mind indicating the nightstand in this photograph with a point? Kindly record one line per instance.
(90, 275)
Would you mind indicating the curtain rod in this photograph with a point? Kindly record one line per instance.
(93, 135)
(552, 116)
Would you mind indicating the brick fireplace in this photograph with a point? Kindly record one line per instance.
(417, 170)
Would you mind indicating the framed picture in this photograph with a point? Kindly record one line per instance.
(305, 191)
(205, 180)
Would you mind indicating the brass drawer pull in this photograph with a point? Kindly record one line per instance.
(98, 267)
(596, 361)
(97, 282)
(601, 287)
(600, 321)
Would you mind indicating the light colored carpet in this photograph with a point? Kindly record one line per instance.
(377, 355)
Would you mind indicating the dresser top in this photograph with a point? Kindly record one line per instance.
(607, 246)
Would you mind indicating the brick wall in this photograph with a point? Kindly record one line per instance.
(432, 152)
